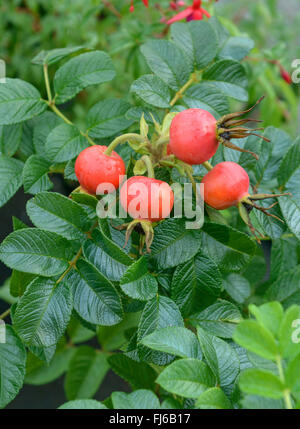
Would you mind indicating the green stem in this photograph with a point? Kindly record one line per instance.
(47, 83)
(182, 90)
(67, 121)
(192, 180)
(163, 140)
(286, 393)
(207, 165)
(5, 314)
(58, 113)
(149, 166)
(123, 139)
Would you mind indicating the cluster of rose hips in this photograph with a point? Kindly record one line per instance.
(193, 138)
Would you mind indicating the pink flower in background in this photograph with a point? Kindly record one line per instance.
(146, 3)
(194, 12)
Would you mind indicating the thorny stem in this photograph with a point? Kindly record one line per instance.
(182, 90)
(123, 139)
(286, 393)
(5, 314)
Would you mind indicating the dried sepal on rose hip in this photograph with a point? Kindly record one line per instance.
(147, 201)
(195, 134)
(94, 167)
(227, 185)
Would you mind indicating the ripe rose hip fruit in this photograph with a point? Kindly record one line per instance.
(93, 167)
(146, 198)
(193, 136)
(225, 185)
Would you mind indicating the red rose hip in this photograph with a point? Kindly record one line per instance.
(93, 167)
(193, 136)
(146, 198)
(225, 185)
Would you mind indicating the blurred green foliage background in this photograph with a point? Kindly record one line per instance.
(29, 26)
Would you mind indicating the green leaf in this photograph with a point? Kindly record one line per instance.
(292, 376)
(206, 96)
(19, 101)
(139, 400)
(219, 319)
(91, 68)
(46, 123)
(263, 383)
(237, 287)
(286, 288)
(54, 55)
(173, 244)
(289, 332)
(196, 284)
(107, 118)
(175, 340)
(12, 364)
(255, 402)
(186, 377)
(283, 258)
(107, 256)
(138, 374)
(290, 209)
(268, 226)
(228, 247)
(236, 48)
(280, 144)
(137, 282)
(159, 312)
(269, 315)
(10, 139)
(115, 337)
(83, 404)
(57, 213)
(36, 251)
(230, 77)
(213, 399)
(168, 62)
(86, 372)
(43, 312)
(19, 282)
(10, 177)
(64, 143)
(251, 335)
(197, 40)
(95, 297)
(290, 163)
(152, 90)
(220, 357)
(40, 373)
(35, 175)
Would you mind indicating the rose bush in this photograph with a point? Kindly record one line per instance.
(193, 322)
